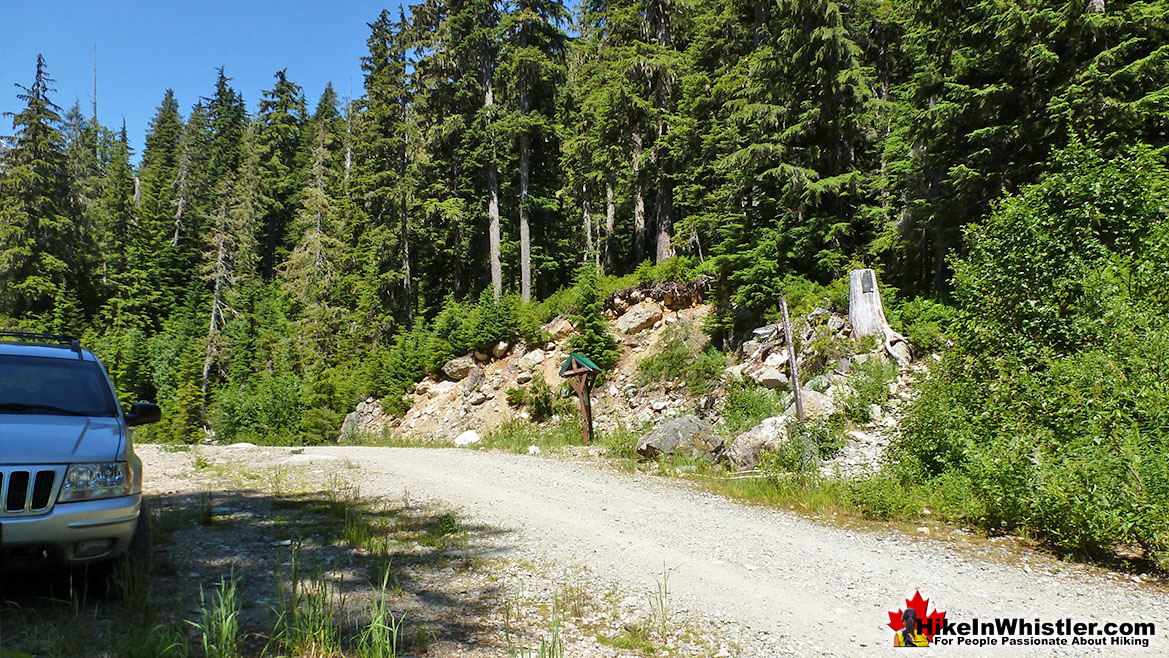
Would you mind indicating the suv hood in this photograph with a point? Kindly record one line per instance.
(43, 439)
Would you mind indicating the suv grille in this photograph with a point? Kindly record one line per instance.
(27, 490)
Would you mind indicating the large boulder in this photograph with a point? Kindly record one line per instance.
(747, 448)
(687, 434)
(458, 369)
(816, 404)
(361, 420)
(559, 328)
(532, 359)
(642, 316)
(771, 378)
(468, 438)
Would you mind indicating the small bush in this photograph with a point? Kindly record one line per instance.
(869, 385)
(883, 497)
(747, 404)
(516, 397)
(676, 360)
(541, 400)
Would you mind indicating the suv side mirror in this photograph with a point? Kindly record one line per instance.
(142, 413)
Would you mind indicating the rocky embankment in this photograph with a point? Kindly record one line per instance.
(471, 392)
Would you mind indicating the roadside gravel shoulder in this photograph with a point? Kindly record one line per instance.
(777, 583)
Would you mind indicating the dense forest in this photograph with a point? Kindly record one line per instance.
(268, 267)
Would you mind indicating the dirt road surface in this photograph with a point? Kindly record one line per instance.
(800, 587)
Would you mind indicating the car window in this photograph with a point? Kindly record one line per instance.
(67, 387)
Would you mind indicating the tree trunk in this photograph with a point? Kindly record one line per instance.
(586, 216)
(638, 200)
(867, 314)
(403, 163)
(525, 229)
(610, 219)
(665, 220)
(492, 196)
(663, 85)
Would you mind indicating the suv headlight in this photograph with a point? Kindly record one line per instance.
(93, 481)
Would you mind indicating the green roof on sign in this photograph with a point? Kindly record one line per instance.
(582, 360)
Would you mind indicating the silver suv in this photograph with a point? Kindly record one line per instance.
(70, 483)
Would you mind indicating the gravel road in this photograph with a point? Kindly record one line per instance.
(800, 587)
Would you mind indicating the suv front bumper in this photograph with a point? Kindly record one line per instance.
(72, 533)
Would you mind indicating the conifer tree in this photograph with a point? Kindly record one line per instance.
(280, 118)
(532, 65)
(35, 227)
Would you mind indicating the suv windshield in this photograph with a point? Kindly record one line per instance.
(37, 385)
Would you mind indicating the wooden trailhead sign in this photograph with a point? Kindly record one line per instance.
(580, 371)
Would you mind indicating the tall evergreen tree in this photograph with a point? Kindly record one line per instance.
(281, 117)
(533, 68)
(36, 230)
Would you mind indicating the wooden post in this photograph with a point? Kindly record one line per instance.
(581, 384)
(580, 370)
(797, 394)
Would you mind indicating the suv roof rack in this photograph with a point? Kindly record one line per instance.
(48, 340)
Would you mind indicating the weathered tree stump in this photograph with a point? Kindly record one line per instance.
(867, 315)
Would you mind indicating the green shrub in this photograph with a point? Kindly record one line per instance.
(868, 385)
(592, 337)
(924, 322)
(267, 411)
(883, 497)
(541, 400)
(516, 397)
(747, 404)
(676, 359)
(1052, 408)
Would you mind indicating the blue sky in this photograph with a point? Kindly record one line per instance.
(144, 47)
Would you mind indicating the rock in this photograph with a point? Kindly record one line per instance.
(659, 405)
(613, 390)
(900, 351)
(765, 332)
(819, 383)
(477, 398)
(459, 368)
(875, 412)
(480, 356)
(685, 434)
(776, 359)
(533, 450)
(860, 437)
(642, 316)
(735, 371)
(815, 404)
(748, 447)
(422, 388)
(835, 323)
(559, 327)
(871, 356)
(843, 365)
(523, 378)
(532, 359)
(770, 378)
(470, 437)
(750, 348)
(500, 349)
(440, 388)
(471, 383)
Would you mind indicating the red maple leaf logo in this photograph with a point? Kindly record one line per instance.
(930, 624)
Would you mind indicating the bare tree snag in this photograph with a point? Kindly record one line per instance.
(797, 394)
(867, 314)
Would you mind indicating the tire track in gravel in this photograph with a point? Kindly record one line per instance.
(813, 589)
